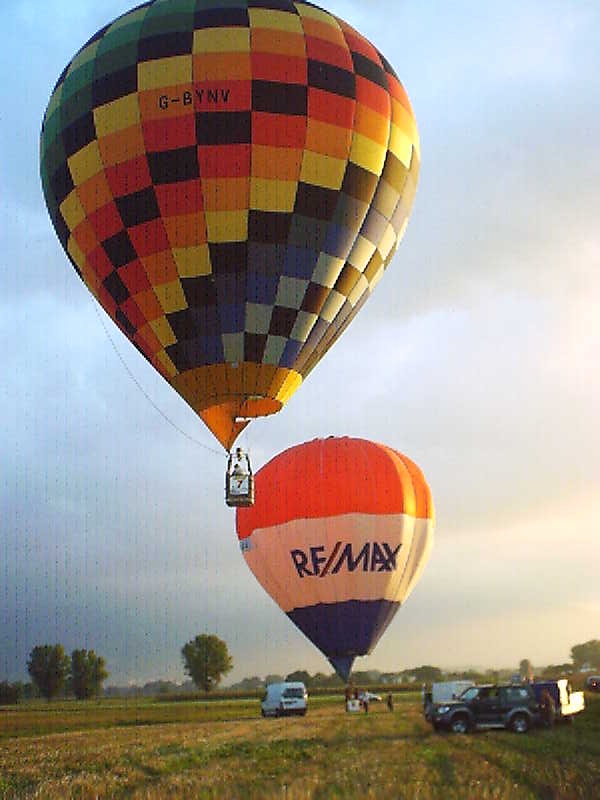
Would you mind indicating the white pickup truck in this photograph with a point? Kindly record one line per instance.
(567, 702)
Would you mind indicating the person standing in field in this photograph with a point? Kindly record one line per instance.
(548, 708)
(390, 702)
(347, 696)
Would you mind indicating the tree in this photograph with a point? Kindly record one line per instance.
(48, 666)
(368, 677)
(88, 671)
(586, 653)
(557, 670)
(9, 693)
(426, 673)
(159, 687)
(326, 681)
(250, 684)
(26, 691)
(300, 675)
(206, 659)
(273, 678)
(526, 669)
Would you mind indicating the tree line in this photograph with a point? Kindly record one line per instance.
(582, 655)
(206, 660)
(52, 670)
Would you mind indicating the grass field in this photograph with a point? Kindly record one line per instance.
(224, 749)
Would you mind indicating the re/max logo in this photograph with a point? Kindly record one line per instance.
(372, 557)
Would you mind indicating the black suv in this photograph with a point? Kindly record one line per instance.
(511, 706)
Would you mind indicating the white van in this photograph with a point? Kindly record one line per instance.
(284, 698)
(448, 690)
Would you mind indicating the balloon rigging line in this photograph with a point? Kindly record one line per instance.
(146, 395)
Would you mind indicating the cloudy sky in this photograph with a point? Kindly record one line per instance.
(478, 356)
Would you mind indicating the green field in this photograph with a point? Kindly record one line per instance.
(224, 749)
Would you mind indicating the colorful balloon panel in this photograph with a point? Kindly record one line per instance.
(339, 535)
(230, 178)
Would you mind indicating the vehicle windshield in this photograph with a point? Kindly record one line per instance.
(470, 693)
(294, 692)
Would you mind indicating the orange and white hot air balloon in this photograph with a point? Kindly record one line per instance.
(339, 536)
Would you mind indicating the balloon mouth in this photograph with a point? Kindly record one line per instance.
(342, 665)
(228, 419)
(257, 406)
(228, 396)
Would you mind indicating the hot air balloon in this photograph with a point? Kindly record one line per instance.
(340, 533)
(230, 179)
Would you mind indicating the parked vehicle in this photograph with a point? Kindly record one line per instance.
(283, 699)
(512, 706)
(592, 683)
(442, 691)
(567, 703)
(370, 697)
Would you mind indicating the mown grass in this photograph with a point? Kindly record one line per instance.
(39, 717)
(225, 750)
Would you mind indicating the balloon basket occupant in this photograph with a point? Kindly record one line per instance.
(239, 480)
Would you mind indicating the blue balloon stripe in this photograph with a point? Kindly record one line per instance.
(350, 628)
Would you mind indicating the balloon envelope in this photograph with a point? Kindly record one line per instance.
(230, 179)
(340, 533)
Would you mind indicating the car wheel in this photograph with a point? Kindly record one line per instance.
(519, 723)
(460, 724)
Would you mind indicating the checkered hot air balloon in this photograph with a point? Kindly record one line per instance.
(340, 533)
(230, 178)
